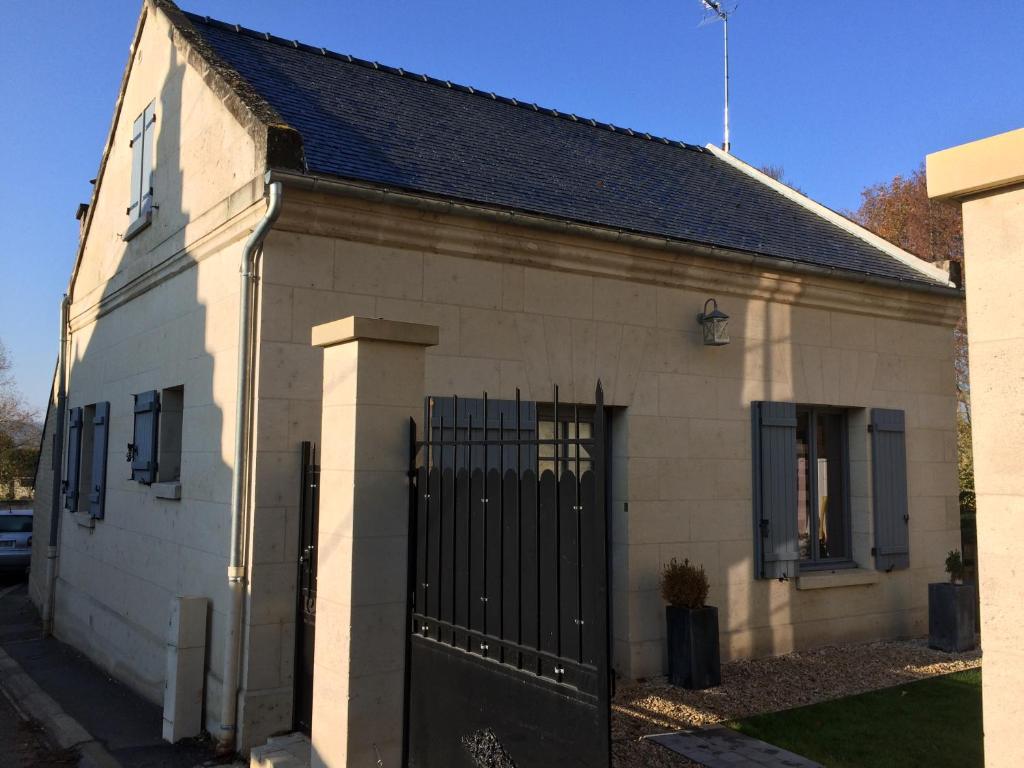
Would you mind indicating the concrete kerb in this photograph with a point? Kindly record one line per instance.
(33, 703)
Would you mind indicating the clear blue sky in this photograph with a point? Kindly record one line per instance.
(842, 94)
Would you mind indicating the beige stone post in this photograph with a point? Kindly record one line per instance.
(373, 384)
(987, 176)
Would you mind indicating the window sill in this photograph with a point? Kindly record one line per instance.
(170, 490)
(138, 225)
(847, 577)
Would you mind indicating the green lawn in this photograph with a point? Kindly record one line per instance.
(927, 724)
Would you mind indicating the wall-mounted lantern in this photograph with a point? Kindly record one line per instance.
(714, 324)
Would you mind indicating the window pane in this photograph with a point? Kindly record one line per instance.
(16, 524)
(546, 430)
(803, 486)
(831, 533)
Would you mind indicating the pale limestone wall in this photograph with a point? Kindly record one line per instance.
(993, 243)
(202, 157)
(682, 474)
(116, 579)
(156, 312)
(41, 506)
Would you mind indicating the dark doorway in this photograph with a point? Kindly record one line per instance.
(508, 651)
(305, 611)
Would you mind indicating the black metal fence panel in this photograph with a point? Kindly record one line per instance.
(305, 609)
(509, 575)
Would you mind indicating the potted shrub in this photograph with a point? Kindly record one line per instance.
(951, 615)
(693, 653)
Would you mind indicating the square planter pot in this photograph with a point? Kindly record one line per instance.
(693, 653)
(951, 617)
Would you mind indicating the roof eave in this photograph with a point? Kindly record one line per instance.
(383, 194)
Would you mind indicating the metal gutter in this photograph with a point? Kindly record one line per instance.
(377, 194)
(239, 473)
(49, 594)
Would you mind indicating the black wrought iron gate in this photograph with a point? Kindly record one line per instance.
(305, 609)
(508, 655)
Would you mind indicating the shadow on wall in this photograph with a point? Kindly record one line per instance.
(761, 608)
(116, 580)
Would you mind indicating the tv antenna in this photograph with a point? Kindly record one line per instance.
(717, 12)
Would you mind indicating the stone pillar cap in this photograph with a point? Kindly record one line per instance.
(979, 166)
(355, 328)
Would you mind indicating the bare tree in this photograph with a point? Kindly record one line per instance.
(902, 213)
(778, 173)
(19, 430)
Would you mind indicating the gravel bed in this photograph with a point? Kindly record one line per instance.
(766, 685)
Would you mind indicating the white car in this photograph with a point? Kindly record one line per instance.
(15, 539)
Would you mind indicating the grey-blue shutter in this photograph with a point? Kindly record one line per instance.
(148, 153)
(74, 459)
(98, 486)
(147, 411)
(134, 205)
(889, 489)
(775, 490)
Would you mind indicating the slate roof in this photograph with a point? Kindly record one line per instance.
(367, 122)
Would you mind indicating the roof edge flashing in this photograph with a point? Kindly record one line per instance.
(845, 224)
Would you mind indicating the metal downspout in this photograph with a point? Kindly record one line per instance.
(239, 472)
(57, 463)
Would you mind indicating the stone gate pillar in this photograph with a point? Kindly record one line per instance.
(987, 177)
(373, 384)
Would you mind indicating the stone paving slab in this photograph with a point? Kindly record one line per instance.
(720, 747)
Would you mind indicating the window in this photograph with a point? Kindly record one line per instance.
(801, 496)
(15, 523)
(140, 207)
(85, 483)
(822, 505)
(565, 430)
(546, 436)
(172, 407)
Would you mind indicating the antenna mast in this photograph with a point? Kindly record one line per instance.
(716, 8)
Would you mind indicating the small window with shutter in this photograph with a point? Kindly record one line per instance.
(142, 451)
(801, 489)
(140, 206)
(73, 463)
